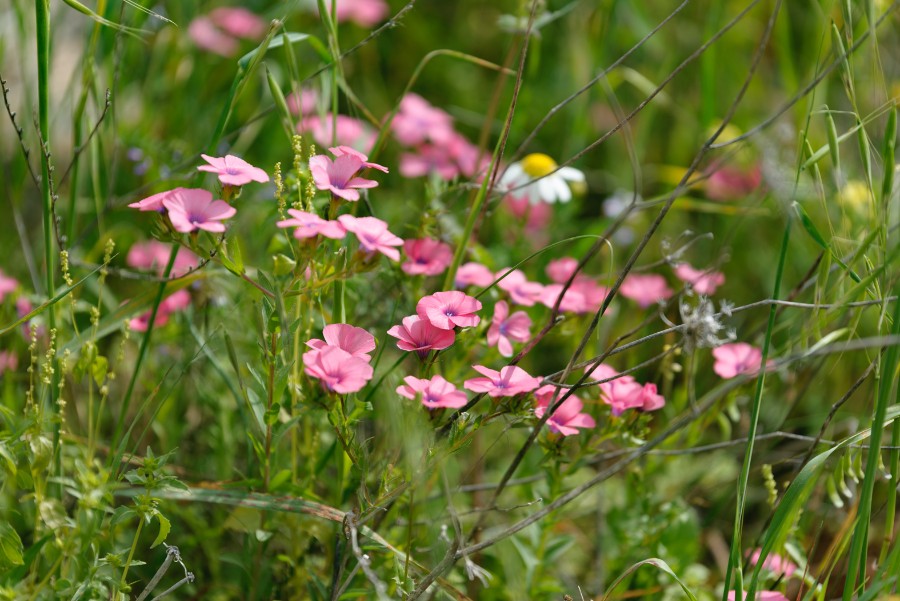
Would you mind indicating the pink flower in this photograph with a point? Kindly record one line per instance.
(775, 563)
(623, 393)
(426, 256)
(446, 310)
(356, 341)
(155, 202)
(730, 183)
(177, 301)
(435, 393)
(652, 400)
(338, 370)
(521, 291)
(428, 159)
(506, 328)
(736, 358)
(568, 417)
(583, 296)
(473, 274)
(23, 308)
(347, 131)
(208, 37)
(645, 290)
(417, 334)
(417, 121)
(239, 22)
(7, 285)
(761, 596)
(233, 171)
(536, 216)
(309, 225)
(365, 13)
(339, 176)
(10, 362)
(302, 105)
(467, 156)
(373, 235)
(340, 151)
(704, 282)
(193, 209)
(154, 255)
(509, 381)
(561, 270)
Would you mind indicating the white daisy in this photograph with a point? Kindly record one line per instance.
(538, 178)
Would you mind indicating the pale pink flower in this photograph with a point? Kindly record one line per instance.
(417, 121)
(193, 209)
(177, 301)
(365, 13)
(730, 183)
(621, 394)
(155, 202)
(603, 372)
(302, 104)
(10, 362)
(356, 341)
(774, 563)
(467, 156)
(568, 416)
(505, 328)
(427, 256)
(583, 296)
(560, 270)
(536, 216)
(434, 393)
(153, 255)
(761, 596)
(736, 358)
(645, 289)
(417, 334)
(207, 36)
(340, 151)
(7, 285)
(703, 281)
(232, 170)
(347, 131)
(652, 400)
(338, 370)
(509, 381)
(308, 225)
(426, 160)
(446, 310)
(373, 235)
(520, 290)
(339, 176)
(473, 274)
(239, 22)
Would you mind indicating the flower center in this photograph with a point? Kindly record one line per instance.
(232, 171)
(538, 165)
(196, 218)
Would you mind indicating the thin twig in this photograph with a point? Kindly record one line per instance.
(19, 133)
(83, 146)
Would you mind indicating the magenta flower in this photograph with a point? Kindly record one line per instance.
(309, 225)
(356, 341)
(417, 334)
(155, 202)
(427, 256)
(417, 121)
(339, 176)
(583, 296)
(7, 285)
(239, 22)
(193, 209)
(373, 235)
(177, 301)
(652, 400)
(426, 160)
(731, 183)
(434, 393)
(233, 171)
(339, 151)
(761, 596)
(509, 381)
(470, 159)
(736, 358)
(621, 394)
(446, 310)
(520, 290)
(774, 563)
(561, 270)
(704, 282)
(568, 416)
(505, 328)
(645, 290)
(348, 131)
(338, 370)
(473, 274)
(10, 362)
(154, 255)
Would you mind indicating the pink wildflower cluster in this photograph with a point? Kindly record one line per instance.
(327, 129)
(437, 316)
(509, 381)
(340, 176)
(434, 393)
(221, 30)
(583, 296)
(154, 255)
(645, 289)
(341, 361)
(567, 418)
(173, 303)
(624, 392)
(437, 148)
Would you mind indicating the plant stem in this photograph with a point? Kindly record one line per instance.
(134, 543)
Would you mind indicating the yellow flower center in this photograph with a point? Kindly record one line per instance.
(538, 165)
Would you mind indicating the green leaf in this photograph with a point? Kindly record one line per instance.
(99, 369)
(11, 546)
(164, 527)
(813, 231)
(278, 42)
